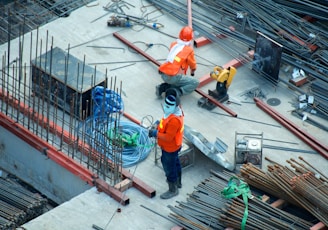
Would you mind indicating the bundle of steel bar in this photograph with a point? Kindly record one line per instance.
(11, 213)
(6, 224)
(33, 14)
(259, 179)
(286, 179)
(259, 17)
(17, 204)
(319, 89)
(207, 209)
(260, 216)
(301, 185)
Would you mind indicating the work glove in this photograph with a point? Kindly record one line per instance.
(156, 123)
(152, 133)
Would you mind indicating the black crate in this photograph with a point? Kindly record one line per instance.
(66, 81)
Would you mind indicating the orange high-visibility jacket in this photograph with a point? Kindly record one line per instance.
(181, 62)
(170, 133)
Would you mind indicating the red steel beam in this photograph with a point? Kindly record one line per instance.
(201, 41)
(120, 197)
(237, 62)
(131, 45)
(44, 147)
(61, 159)
(307, 138)
(84, 148)
(298, 40)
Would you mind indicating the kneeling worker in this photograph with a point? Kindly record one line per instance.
(173, 71)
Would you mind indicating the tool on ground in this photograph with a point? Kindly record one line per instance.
(97, 227)
(224, 77)
(129, 21)
(248, 149)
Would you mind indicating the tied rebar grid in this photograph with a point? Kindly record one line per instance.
(35, 101)
(302, 185)
(206, 209)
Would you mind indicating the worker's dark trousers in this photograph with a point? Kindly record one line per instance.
(171, 165)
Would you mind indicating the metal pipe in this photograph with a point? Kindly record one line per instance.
(307, 138)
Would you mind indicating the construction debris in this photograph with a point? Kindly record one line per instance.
(207, 148)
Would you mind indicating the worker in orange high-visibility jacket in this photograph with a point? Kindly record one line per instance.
(174, 70)
(169, 135)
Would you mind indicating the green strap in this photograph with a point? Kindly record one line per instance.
(127, 140)
(235, 188)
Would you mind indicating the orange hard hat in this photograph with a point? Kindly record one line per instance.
(186, 34)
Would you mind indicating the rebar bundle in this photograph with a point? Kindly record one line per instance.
(24, 15)
(301, 185)
(260, 216)
(17, 204)
(207, 209)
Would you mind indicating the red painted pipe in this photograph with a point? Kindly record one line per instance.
(307, 138)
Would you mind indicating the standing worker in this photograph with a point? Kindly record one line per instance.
(169, 134)
(173, 71)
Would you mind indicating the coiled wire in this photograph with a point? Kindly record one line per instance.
(96, 134)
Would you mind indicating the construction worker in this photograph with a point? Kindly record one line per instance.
(169, 134)
(174, 70)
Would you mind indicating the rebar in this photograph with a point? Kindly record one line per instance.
(205, 208)
(55, 112)
(301, 185)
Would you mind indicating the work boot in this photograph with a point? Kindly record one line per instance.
(161, 89)
(179, 184)
(173, 191)
(174, 90)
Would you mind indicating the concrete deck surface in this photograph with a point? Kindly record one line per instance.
(80, 30)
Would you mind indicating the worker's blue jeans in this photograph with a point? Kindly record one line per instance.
(186, 83)
(171, 165)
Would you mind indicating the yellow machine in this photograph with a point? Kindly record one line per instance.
(224, 78)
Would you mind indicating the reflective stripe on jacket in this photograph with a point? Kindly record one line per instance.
(181, 62)
(170, 133)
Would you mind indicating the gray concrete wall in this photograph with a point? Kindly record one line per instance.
(33, 167)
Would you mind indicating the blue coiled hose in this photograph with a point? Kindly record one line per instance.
(95, 130)
(96, 135)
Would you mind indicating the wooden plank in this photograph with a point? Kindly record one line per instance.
(123, 185)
